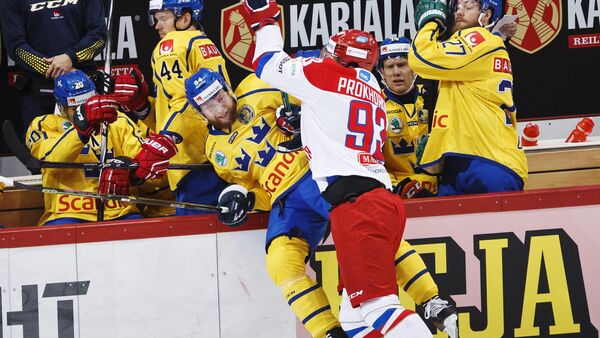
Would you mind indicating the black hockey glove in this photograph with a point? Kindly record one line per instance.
(238, 201)
(290, 146)
(288, 121)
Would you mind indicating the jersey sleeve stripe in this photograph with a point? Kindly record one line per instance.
(256, 91)
(40, 122)
(189, 50)
(172, 117)
(133, 128)
(429, 63)
(57, 143)
(162, 86)
(260, 63)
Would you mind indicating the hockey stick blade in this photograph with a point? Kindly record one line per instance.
(14, 144)
(122, 198)
(24, 156)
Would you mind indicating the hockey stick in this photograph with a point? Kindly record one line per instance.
(122, 198)
(106, 89)
(24, 156)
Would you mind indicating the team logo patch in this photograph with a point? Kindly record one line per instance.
(539, 23)
(66, 125)
(364, 75)
(166, 47)
(396, 125)
(220, 158)
(237, 39)
(474, 38)
(423, 116)
(245, 114)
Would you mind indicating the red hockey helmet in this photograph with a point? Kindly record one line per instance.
(354, 46)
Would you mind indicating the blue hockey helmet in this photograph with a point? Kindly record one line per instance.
(495, 6)
(203, 86)
(393, 48)
(73, 89)
(177, 6)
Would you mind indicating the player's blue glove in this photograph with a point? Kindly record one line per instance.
(262, 12)
(431, 10)
(238, 202)
(288, 121)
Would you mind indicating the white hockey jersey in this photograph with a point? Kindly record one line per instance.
(343, 113)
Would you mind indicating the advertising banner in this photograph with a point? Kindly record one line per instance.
(515, 265)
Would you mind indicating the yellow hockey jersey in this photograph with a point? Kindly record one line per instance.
(475, 114)
(53, 138)
(247, 154)
(407, 124)
(176, 57)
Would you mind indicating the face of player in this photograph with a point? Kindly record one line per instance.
(68, 112)
(220, 111)
(165, 22)
(467, 15)
(397, 75)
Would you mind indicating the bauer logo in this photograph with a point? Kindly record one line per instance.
(166, 47)
(539, 23)
(237, 39)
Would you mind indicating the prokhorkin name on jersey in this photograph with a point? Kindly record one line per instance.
(311, 24)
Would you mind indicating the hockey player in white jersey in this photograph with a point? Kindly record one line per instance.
(343, 130)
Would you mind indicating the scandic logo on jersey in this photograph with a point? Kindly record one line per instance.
(237, 39)
(539, 23)
(166, 47)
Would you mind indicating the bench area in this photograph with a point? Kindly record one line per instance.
(552, 164)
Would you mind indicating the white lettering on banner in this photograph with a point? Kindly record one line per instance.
(125, 41)
(310, 19)
(577, 17)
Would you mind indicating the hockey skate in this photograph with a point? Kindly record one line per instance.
(442, 315)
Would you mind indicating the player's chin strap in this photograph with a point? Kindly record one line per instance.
(489, 26)
(412, 85)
